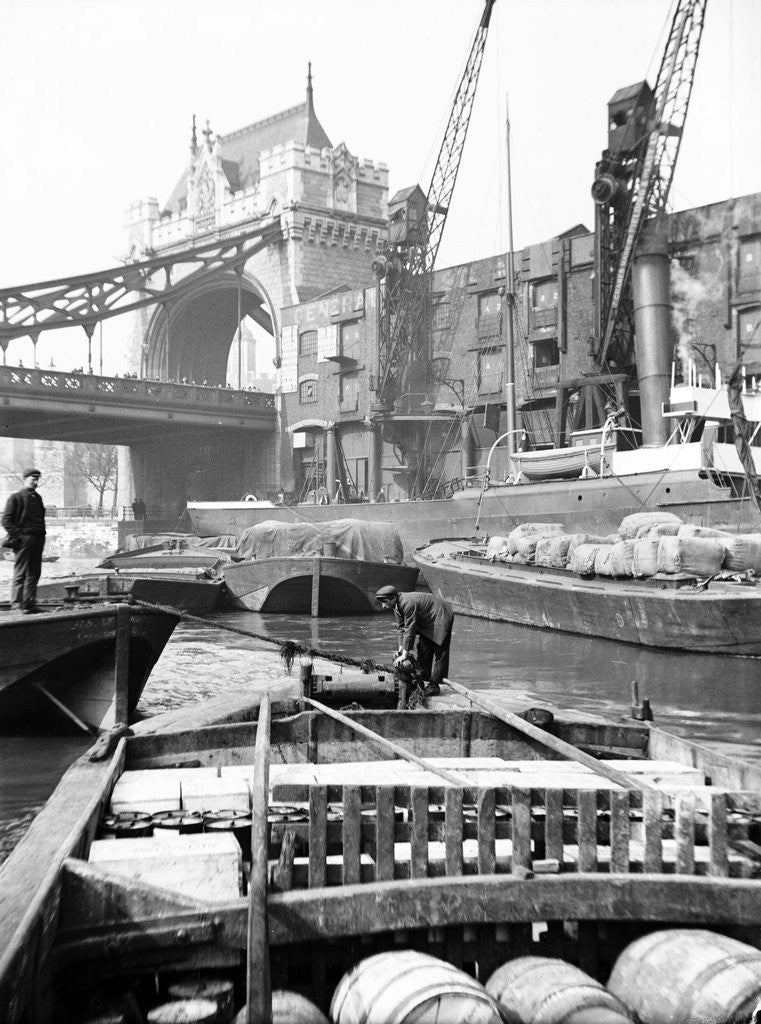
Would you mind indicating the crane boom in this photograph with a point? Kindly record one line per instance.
(407, 266)
(646, 191)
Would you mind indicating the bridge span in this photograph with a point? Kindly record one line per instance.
(123, 410)
(185, 441)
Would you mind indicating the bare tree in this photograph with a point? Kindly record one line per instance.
(98, 464)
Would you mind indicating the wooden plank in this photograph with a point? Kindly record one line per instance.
(385, 822)
(121, 664)
(587, 829)
(29, 878)
(453, 836)
(652, 812)
(553, 825)
(521, 830)
(487, 857)
(385, 744)
(684, 833)
(309, 915)
(351, 843)
(258, 989)
(620, 832)
(419, 832)
(718, 864)
(91, 897)
(214, 711)
(282, 873)
(558, 746)
(318, 838)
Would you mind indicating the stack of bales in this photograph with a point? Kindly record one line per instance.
(647, 543)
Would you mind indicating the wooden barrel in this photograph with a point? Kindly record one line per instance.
(176, 823)
(404, 985)
(184, 1011)
(541, 990)
(217, 990)
(680, 974)
(289, 1008)
(126, 825)
(240, 828)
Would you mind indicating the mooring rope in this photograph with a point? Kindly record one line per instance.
(289, 649)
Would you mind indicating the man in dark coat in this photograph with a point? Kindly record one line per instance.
(24, 522)
(426, 619)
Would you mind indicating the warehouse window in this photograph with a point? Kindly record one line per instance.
(308, 391)
(490, 371)
(489, 304)
(441, 315)
(749, 334)
(308, 343)
(544, 295)
(546, 353)
(350, 340)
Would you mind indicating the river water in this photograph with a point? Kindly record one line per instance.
(716, 700)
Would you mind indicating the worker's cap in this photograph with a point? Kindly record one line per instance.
(386, 594)
(31, 472)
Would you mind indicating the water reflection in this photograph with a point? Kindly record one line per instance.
(709, 698)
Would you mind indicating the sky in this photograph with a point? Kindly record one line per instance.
(97, 96)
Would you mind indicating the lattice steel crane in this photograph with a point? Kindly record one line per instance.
(416, 223)
(634, 176)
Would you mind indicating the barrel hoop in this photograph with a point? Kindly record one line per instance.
(752, 956)
(603, 997)
(440, 988)
(412, 966)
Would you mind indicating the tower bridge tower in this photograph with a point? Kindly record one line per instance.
(331, 210)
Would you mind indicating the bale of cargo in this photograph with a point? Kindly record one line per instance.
(604, 565)
(698, 556)
(743, 552)
(577, 539)
(618, 560)
(584, 558)
(688, 530)
(543, 990)
(638, 522)
(660, 530)
(405, 986)
(531, 530)
(497, 548)
(553, 551)
(525, 548)
(645, 557)
(685, 974)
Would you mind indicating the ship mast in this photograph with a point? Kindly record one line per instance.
(510, 410)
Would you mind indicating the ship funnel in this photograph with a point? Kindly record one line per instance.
(653, 331)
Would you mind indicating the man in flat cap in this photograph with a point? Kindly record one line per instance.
(24, 522)
(428, 620)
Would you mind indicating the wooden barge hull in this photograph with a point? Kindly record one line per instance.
(722, 618)
(62, 920)
(317, 585)
(78, 656)
(180, 590)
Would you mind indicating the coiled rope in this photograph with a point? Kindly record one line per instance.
(289, 649)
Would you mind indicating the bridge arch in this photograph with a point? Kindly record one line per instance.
(192, 338)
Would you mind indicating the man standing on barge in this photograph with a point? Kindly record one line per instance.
(428, 620)
(24, 522)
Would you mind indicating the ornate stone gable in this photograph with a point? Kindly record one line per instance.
(344, 173)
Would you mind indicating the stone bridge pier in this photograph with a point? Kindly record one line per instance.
(168, 472)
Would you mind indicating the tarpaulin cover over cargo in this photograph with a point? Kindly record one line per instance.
(352, 538)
